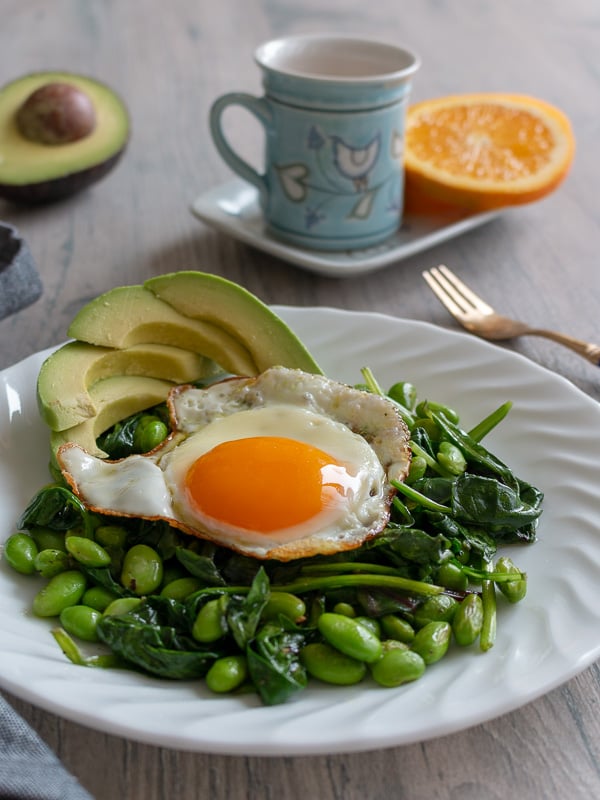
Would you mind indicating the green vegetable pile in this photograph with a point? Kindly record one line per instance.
(181, 608)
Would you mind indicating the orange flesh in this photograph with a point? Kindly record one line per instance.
(480, 142)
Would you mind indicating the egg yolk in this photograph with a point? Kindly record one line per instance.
(265, 483)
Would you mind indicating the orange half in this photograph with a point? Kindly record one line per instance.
(485, 151)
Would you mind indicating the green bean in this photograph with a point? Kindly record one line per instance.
(395, 627)
(64, 589)
(50, 562)
(436, 609)
(98, 597)
(432, 641)
(20, 550)
(227, 674)
(487, 637)
(181, 588)
(329, 665)
(514, 591)
(87, 551)
(349, 637)
(286, 603)
(468, 620)
(489, 423)
(81, 621)
(210, 624)
(398, 666)
(142, 570)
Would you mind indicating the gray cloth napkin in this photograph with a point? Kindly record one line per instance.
(20, 284)
(29, 770)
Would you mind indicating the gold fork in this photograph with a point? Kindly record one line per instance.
(481, 319)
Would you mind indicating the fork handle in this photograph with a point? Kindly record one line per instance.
(589, 351)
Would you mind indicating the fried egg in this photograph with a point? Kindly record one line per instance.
(283, 465)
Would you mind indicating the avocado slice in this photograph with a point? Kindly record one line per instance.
(65, 377)
(33, 171)
(114, 399)
(131, 315)
(200, 295)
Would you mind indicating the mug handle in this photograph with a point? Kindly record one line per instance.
(257, 106)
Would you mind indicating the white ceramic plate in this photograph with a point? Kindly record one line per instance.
(551, 437)
(233, 209)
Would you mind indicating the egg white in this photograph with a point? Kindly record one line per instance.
(361, 431)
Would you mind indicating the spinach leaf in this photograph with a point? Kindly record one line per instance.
(488, 503)
(55, 507)
(243, 612)
(199, 566)
(153, 637)
(274, 663)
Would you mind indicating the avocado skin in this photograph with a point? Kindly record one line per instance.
(106, 143)
(58, 188)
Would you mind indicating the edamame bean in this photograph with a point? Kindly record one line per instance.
(49, 563)
(398, 666)
(111, 535)
(432, 641)
(98, 597)
(87, 551)
(451, 458)
(468, 620)
(149, 433)
(371, 624)
(48, 539)
(349, 637)
(290, 605)
(81, 621)
(181, 588)
(451, 576)
(20, 551)
(404, 393)
(439, 608)
(63, 590)
(426, 406)
(393, 644)
(227, 674)
(210, 623)
(417, 469)
(345, 609)
(120, 606)
(512, 590)
(329, 665)
(142, 570)
(397, 628)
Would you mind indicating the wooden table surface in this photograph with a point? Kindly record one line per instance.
(169, 61)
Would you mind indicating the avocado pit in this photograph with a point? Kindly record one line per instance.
(56, 113)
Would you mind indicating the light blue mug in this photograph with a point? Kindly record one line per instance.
(333, 112)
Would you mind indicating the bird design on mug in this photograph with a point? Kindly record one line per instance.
(333, 161)
(355, 163)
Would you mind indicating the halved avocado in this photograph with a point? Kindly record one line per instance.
(36, 172)
(67, 376)
(131, 315)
